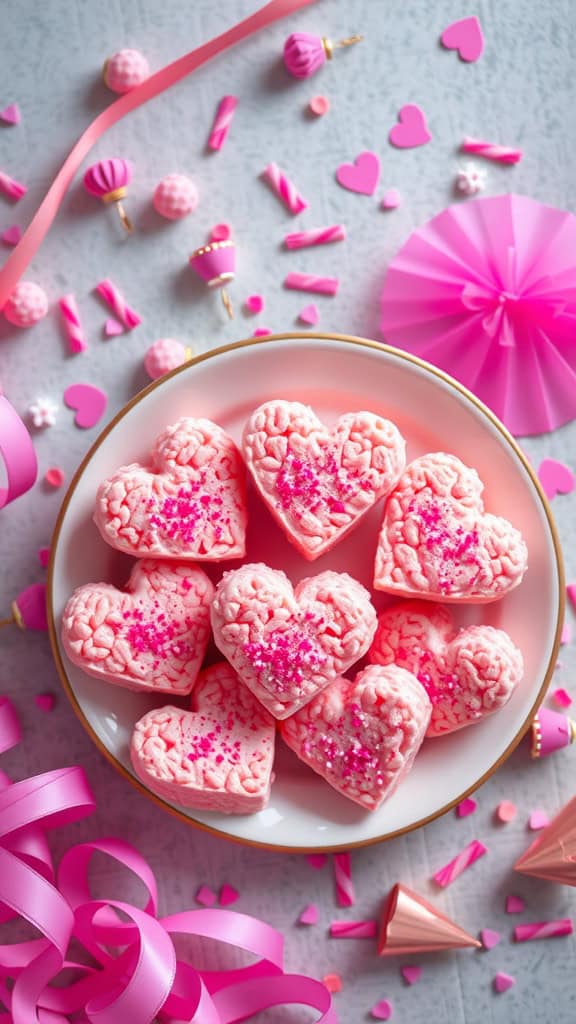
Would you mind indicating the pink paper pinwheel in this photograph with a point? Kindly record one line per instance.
(486, 290)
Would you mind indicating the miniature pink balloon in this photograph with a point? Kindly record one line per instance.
(124, 70)
(304, 54)
(175, 197)
(27, 304)
(108, 180)
(165, 355)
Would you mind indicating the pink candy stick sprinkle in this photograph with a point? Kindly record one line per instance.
(113, 296)
(222, 122)
(450, 872)
(345, 896)
(353, 929)
(543, 930)
(206, 896)
(562, 698)
(491, 150)
(315, 236)
(284, 189)
(12, 188)
(466, 807)
(72, 325)
(312, 283)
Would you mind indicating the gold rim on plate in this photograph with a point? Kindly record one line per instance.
(362, 343)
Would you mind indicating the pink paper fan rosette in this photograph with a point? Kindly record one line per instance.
(486, 291)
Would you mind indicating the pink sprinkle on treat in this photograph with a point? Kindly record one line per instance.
(502, 982)
(309, 915)
(538, 820)
(354, 929)
(228, 895)
(491, 150)
(222, 122)
(115, 299)
(319, 105)
(515, 905)
(12, 235)
(316, 860)
(333, 982)
(163, 356)
(284, 189)
(382, 1010)
(466, 807)
(55, 477)
(72, 324)
(411, 973)
(27, 304)
(12, 188)
(220, 233)
(506, 811)
(112, 328)
(309, 315)
(45, 701)
(315, 236)
(391, 199)
(451, 871)
(490, 938)
(344, 886)
(205, 896)
(556, 478)
(124, 70)
(11, 114)
(175, 196)
(254, 303)
(312, 283)
(562, 698)
(543, 930)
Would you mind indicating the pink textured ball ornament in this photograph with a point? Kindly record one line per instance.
(304, 54)
(175, 196)
(124, 70)
(27, 304)
(165, 355)
(215, 264)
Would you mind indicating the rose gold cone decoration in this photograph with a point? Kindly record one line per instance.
(553, 854)
(412, 925)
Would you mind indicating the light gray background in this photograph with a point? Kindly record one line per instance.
(522, 93)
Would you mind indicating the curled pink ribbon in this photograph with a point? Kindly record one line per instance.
(17, 452)
(142, 981)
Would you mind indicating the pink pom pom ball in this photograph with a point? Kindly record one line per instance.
(27, 304)
(125, 69)
(164, 355)
(175, 196)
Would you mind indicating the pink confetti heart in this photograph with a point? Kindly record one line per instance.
(490, 938)
(361, 176)
(11, 114)
(45, 701)
(466, 807)
(112, 328)
(391, 199)
(555, 477)
(502, 982)
(12, 235)
(89, 403)
(515, 905)
(228, 895)
(382, 1010)
(309, 315)
(411, 130)
(466, 37)
(537, 820)
(205, 896)
(562, 697)
(309, 915)
(411, 974)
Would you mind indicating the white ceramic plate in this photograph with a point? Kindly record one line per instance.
(334, 375)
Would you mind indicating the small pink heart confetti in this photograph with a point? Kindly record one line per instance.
(12, 235)
(382, 1010)
(228, 895)
(515, 905)
(466, 37)
(316, 860)
(11, 114)
(411, 973)
(89, 402)
(411, 130)
(466, 807)
(309, 915)
(562, 698)
(556, 478)
(309, 315)
(391, 199)
(537, 820)
(45, 701)
(502, 982)
(361, 176)
(205, 896)
(490, 938)
(112, 328)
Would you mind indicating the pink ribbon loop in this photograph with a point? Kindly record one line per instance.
(17, 452)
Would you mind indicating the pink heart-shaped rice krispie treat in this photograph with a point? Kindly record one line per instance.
(437, 542)
(362, 736)
(317, 482)
(217, 756)
(188, 503)
(287, 644)
(467, 673)
(151, 636)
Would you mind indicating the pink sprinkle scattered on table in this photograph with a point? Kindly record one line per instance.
(451, 871)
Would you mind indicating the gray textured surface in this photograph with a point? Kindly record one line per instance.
(521, 92)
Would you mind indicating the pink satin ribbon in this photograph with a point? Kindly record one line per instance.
(144, 982)
(153, 86)
(17, 452)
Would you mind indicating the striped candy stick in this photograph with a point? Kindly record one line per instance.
(115, 299)
(344, 886)
(316, 236)
(450, 872)
(354, 929)
(282, 187)
(222, 122)
(543, 930)
(491, 150)
(72, 324)
(12, 188)
(312, 283)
